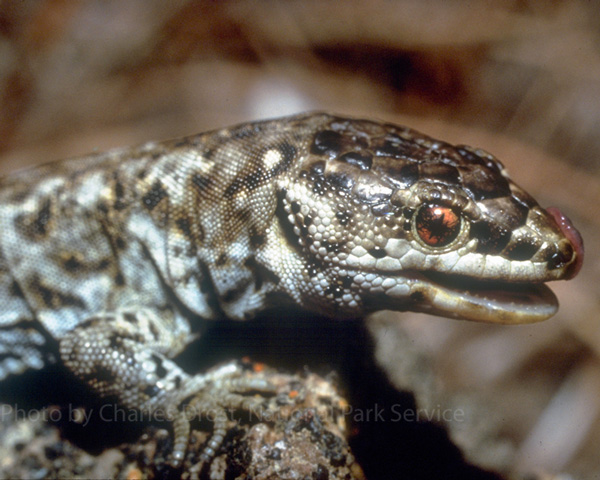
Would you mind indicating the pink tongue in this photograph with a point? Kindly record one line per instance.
(571, 233)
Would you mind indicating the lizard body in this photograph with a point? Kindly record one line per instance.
(117, 257)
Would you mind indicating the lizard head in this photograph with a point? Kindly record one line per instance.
(388, 218)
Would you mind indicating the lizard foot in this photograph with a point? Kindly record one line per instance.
(225, 390)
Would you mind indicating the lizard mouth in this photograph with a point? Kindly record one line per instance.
(492, 300)
(483, 300)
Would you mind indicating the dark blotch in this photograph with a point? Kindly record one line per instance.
(295, 207)
(318, 169)
(40, 224)
(492, 239)
(244, 216)
(181, 406)
(326, 142)
(257, 240)
(252, 180)
(153, 331)
(332, 247)
(119, 196)
(54, 298)
(114, 340)
(313, 269)
(282, 217)
(399, 148)
(151, 390)
(558, 259)
(103, 207)
(336, 290)
(261, 273)
(403, 177)
(154, 196)
(161, 371)
(484, 183)
(71, 264)
(475, 159)
(100, 374)
(288, 151)
(274, 454)
(308, 239)
(207, 287)
(343, 217)
(343, 181)
(521, 251)
(322, 473)
(377, 252)
(15, 290)
(233, 188)
(120, 243)
(236, 292)
(362, 161)
(103, 264)
(318, 187)
(439, 171)
(184, 226)
(202, 182)
(417, 297)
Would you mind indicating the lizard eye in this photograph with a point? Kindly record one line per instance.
(437, 226)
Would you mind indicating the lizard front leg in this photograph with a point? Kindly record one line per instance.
(124, 354)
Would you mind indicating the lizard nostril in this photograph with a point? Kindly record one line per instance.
(561, 257)
(575, 245)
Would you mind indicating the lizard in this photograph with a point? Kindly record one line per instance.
(111, 263)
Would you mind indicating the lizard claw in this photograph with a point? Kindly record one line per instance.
(225, 390)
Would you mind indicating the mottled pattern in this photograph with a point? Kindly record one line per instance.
(118, 257)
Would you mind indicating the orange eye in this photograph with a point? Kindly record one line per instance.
(437, 226)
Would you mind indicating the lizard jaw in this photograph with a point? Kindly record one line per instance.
(484, 301)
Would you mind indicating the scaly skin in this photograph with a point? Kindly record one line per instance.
(118, 257)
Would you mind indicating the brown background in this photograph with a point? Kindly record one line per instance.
(518, 78)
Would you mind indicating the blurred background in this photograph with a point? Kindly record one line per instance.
(519, 78)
